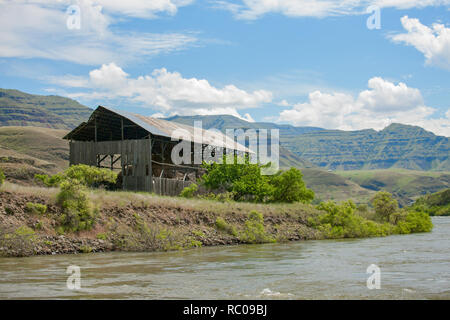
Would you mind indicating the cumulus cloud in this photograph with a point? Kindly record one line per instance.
(38, 29)
(433, 42)
(382, 104)
(169, 92)
(253, 9)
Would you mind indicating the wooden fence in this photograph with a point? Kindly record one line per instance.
(169, 187)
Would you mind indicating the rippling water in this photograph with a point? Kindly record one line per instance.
(412, 267)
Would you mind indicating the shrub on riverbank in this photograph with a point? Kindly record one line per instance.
(254, 231)
(222, 225)
(2, 177)
(36, 208)
(340, 221)
(78, 212)
(414, 221)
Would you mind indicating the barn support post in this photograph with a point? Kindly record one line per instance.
(150, 163)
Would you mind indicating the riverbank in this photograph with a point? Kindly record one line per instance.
(138, 222)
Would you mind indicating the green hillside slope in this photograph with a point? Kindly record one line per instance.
(25, 151)
(406, 185)
(21, 109)
(436, 204)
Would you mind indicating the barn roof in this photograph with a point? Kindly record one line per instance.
(109, 122)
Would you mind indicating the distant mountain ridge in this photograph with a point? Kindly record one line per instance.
(223, 122)
(396, 146)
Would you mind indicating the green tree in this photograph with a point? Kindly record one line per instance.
(242, 178)
(289, 187)
(384, 205)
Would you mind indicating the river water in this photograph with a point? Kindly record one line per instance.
(412, 267)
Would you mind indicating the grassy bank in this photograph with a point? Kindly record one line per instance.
(30, 222)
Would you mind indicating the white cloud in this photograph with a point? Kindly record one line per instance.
(283, 103)
(433, 42)
(254, 9)
(169, 92)
(38, 29)
(383, 103)
(143, 8)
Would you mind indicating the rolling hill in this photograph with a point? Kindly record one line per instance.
(25, 151)
(22, 109)
(405, 185)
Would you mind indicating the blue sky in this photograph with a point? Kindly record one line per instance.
(303, 62)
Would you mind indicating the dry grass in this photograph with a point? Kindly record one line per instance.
(102, 198)
(122, 199)
(49, 193)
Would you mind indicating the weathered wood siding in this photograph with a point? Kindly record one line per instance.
(136, 154)
(169, 187)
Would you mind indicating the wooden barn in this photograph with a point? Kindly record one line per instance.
(140, 148)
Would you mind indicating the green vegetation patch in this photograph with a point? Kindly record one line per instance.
(342, 220)
(254, 231)
(36, 208)
(2, 177)
(436, 204)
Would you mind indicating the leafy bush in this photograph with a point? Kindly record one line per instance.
(85, 175)
(91, 176)
(78, 213)
(86, 249)
(340, 221)
(384, 205)
(289, 187)
(36, 208)
(102, 236)
(222, 225)
(2, 177)
(52, 181)
(415, 221)
(189, 191)
(254, 231)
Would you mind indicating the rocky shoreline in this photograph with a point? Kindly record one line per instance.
(136, 226)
